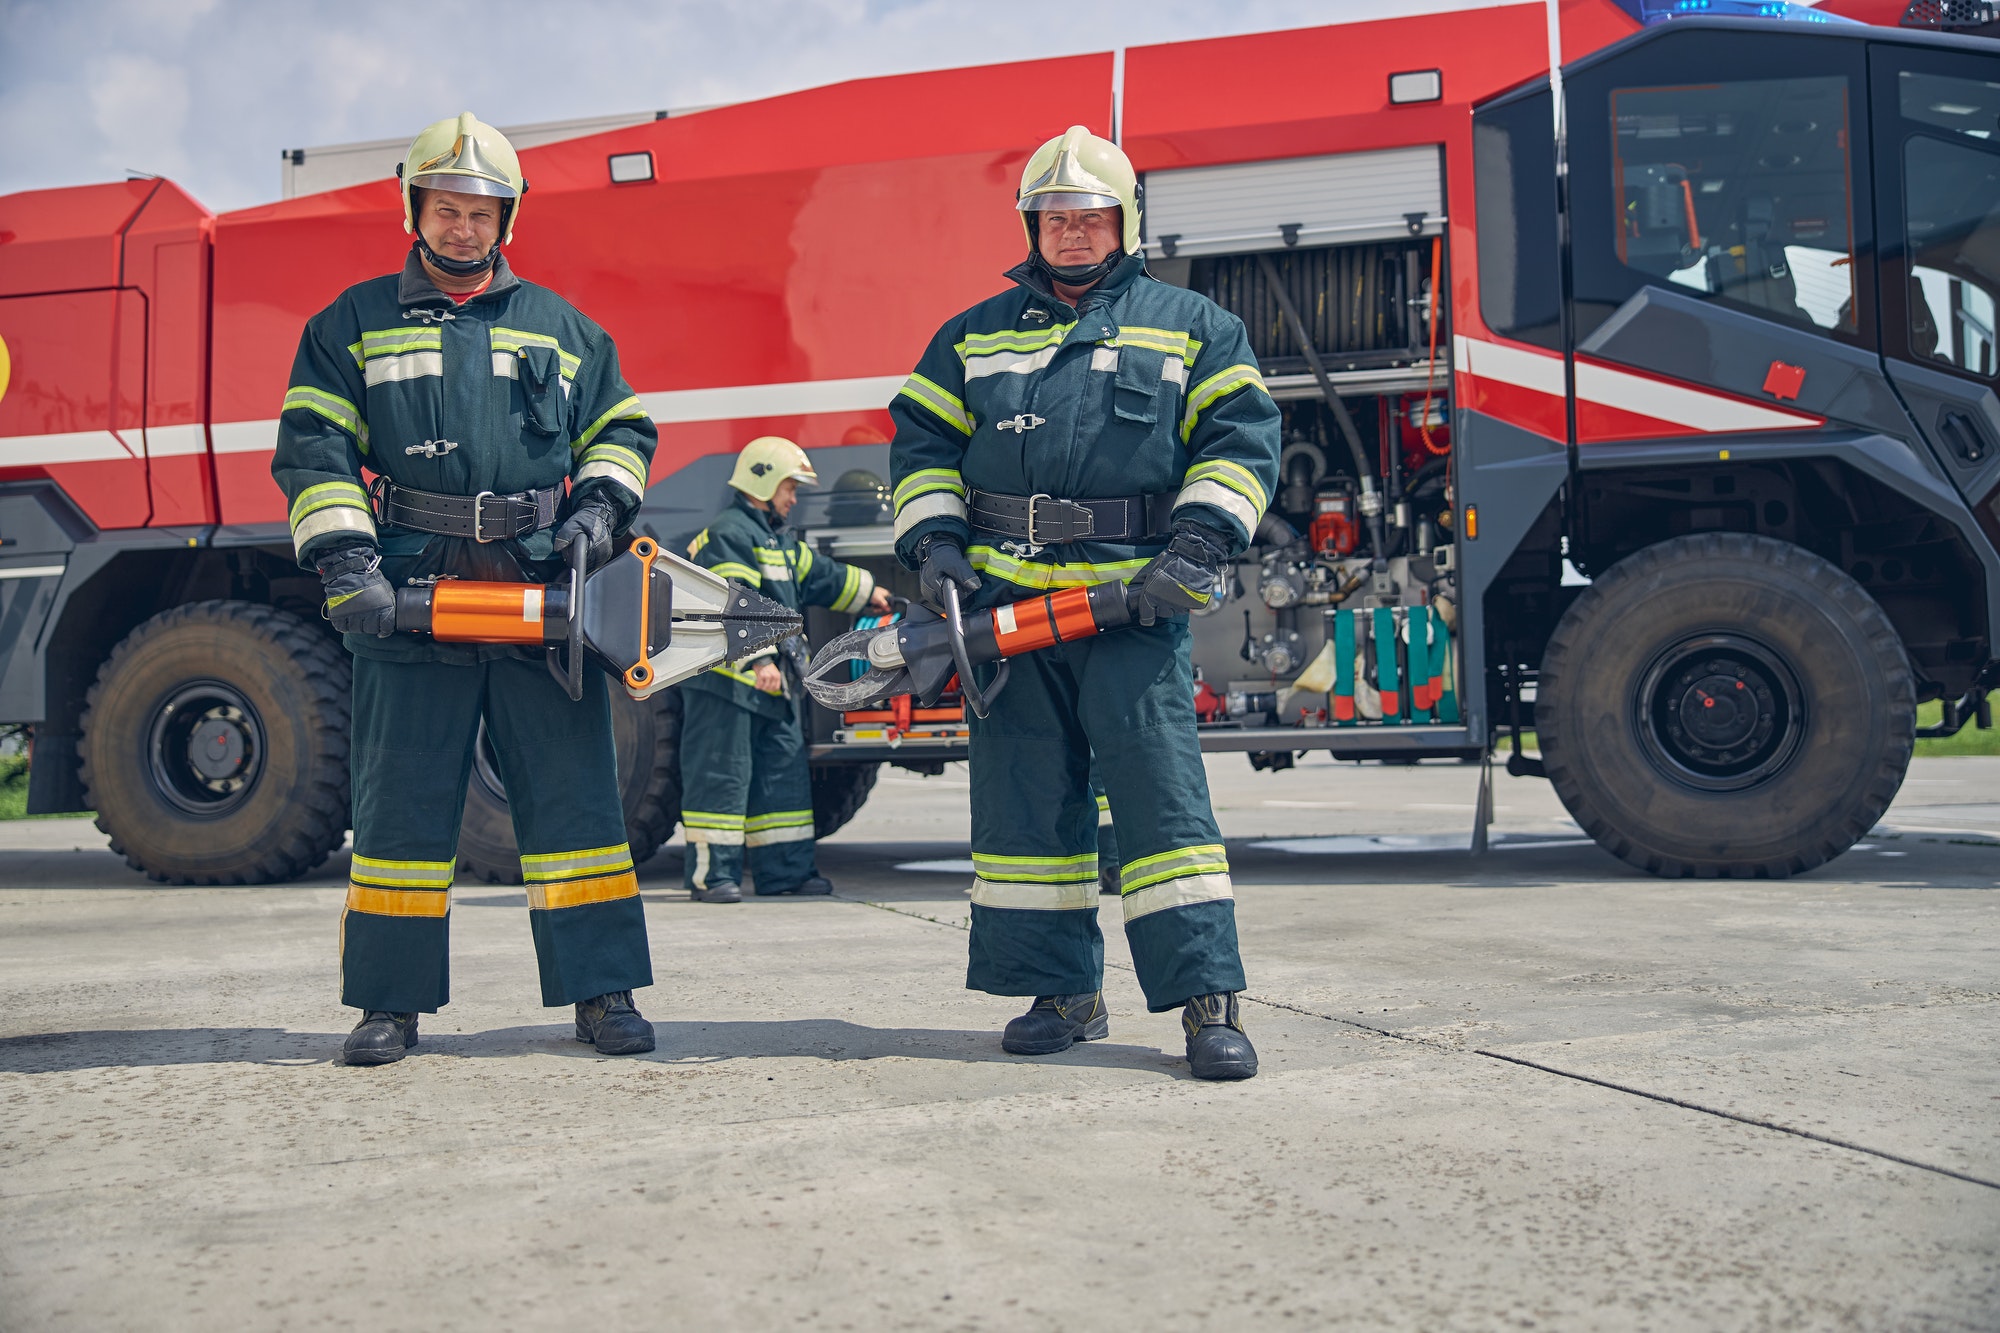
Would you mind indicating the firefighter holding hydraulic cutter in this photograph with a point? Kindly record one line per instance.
(474, 396)
(1091, 424)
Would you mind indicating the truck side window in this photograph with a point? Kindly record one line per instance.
(1951, 219)
(1742, 190)
(1513, 169)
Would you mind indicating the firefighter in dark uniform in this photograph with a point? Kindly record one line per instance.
(746, 788)
(1091, 424)
(473, 397)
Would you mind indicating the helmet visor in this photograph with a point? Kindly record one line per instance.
(461, 184)
(1036, 203)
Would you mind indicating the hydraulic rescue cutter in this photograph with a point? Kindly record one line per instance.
(649, 618)
(925, 654)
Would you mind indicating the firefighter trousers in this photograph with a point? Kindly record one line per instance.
(1126, 699)
(745, 789)
(414, 726)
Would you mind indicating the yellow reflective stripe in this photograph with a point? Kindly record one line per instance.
(700, 540)
(411, 337)
(545, 866)
(850, 590)
(401, 874)
(582, 892)
(1180, 891)
(1214, 387)
(805, 560)
(711, 819)
(740, 677)
(631, 460)
(305, 398)
(927, 480)
(729, 569)
(1013, 340)
(1171, 341)
(1104, 803)
(995, 858)
(778, 819)
(1045, 576)
(629, 409)
(1208, 859)
(943, 405)
(1233, 475)
(513, 340)
(398, 902)
(325, 495)
(354, 350)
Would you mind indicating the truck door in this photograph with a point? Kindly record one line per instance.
(74, 406)
(1937, 151)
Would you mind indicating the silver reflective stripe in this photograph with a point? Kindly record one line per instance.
(1008, 363)
(1104, 358)
(1175, 370)
(765, 837)
(506, 363)
(1229, 502)
(600, 468)
(1072, 897)
(1183, 892)
(721, 837)
(775, 573)
(409, 366)
(334, 518)
(938, 504)
(857, 597)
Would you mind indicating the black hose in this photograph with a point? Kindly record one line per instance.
(1365, 473)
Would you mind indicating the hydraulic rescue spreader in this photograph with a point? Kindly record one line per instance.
(649, 618)
(925, 654)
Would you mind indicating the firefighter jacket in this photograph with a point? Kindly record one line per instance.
(754, 547)
(512, 391)
(1145, 388)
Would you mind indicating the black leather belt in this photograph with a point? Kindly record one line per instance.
(485, 517)
(1047, 520)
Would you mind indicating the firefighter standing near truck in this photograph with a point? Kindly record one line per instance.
(473, 396)
(746, 788)
(1091, 424)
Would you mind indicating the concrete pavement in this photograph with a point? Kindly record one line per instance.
(1530, 1090)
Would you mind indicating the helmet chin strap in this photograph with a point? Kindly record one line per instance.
(1078, 275)
(457, 268)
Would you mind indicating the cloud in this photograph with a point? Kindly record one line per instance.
(211, 91)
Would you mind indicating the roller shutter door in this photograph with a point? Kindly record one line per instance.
(1306, 201)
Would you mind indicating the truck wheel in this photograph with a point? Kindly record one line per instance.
(647, 736)
(839, 792)
(1723, 704)
(214, 745)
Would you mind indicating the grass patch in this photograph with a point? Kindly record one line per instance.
(1969, 741)
(13, 786)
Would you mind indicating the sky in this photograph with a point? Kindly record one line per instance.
(210, 92)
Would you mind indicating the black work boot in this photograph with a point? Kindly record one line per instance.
(612, 1025)
(1056, 1023)
(1216, 1044)
(380, 1038)
(728, 891)
(815, 885)
(1107, 879)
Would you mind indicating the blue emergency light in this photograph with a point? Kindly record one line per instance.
(1660, 11)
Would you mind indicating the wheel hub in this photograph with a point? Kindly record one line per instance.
(205, 749)
(1720, 713)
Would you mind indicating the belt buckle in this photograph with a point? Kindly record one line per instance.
(478, 505)
(1071, 511)
(1033, 500)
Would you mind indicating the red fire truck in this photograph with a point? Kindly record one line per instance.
(1673, 438)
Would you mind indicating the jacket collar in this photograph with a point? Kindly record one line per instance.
(1029, 274)
(767, 517)
(414, 285)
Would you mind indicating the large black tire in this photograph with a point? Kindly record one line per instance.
(1725, 705)
(215, 745)
(839, 792)
(647, 735)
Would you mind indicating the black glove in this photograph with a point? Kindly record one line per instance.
(1185, 577)
(592, 522)
(941, 560)
(358, 599)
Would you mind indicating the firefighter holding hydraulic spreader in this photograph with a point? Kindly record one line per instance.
(474, 397)
(1091, 424)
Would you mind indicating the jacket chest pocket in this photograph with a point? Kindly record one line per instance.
(1146, 382)
(539, 370)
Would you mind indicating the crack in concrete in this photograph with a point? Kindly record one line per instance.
(1391, 1034)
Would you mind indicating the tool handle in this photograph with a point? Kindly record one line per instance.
(979, 701)
(570, 674)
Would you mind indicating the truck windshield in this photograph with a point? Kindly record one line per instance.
(1740, 189)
